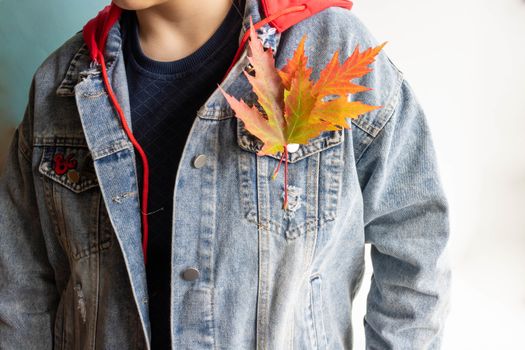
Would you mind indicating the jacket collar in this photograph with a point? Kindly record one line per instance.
(81, 64)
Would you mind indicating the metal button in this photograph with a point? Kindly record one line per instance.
(73, 176)
(292, 147)
(250, 70)
(200, 161)
(190, 274)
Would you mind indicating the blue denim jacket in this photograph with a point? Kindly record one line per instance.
(71, 263)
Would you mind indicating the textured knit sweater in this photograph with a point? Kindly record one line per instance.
(164, 99)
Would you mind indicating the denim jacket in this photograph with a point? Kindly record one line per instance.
(246, 274)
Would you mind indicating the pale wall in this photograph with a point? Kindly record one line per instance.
(466, 63)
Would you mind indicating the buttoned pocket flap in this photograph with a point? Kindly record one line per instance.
(70, 165)
(325, 140)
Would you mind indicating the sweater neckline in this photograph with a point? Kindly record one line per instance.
(186, 64)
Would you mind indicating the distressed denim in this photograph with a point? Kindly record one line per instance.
(71, 263)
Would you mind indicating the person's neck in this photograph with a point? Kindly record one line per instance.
(175, 29)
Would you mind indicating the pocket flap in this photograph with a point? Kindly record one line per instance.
(69, 165)
(325, 140)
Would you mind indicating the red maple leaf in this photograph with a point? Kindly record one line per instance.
(294, 106)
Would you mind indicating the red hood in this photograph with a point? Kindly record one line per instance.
(281, 14)
(285, 21)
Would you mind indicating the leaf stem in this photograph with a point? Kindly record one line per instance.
(283, 156)
(278, 166)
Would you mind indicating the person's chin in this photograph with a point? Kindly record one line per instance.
(136, 4)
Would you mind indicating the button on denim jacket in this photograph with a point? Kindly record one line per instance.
(71, 263)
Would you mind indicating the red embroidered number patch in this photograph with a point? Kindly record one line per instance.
(62, 165)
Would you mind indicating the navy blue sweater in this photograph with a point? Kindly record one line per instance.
(164, 99)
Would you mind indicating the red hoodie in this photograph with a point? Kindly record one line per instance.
(281, 14)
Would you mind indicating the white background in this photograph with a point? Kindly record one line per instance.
(466, 63)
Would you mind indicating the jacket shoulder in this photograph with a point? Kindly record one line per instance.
(50, 112)
(53, 69)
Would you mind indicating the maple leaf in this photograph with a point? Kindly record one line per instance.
(295, 107)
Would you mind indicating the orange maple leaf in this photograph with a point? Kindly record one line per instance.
(294, 106)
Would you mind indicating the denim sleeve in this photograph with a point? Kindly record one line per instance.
(406, 218)
(28, 295)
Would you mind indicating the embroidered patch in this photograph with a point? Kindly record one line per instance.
(62, 165)
(268, 35)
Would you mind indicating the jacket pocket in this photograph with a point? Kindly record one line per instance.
(70, 166)
(317, 326)
(73, 196)
(314, 178)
